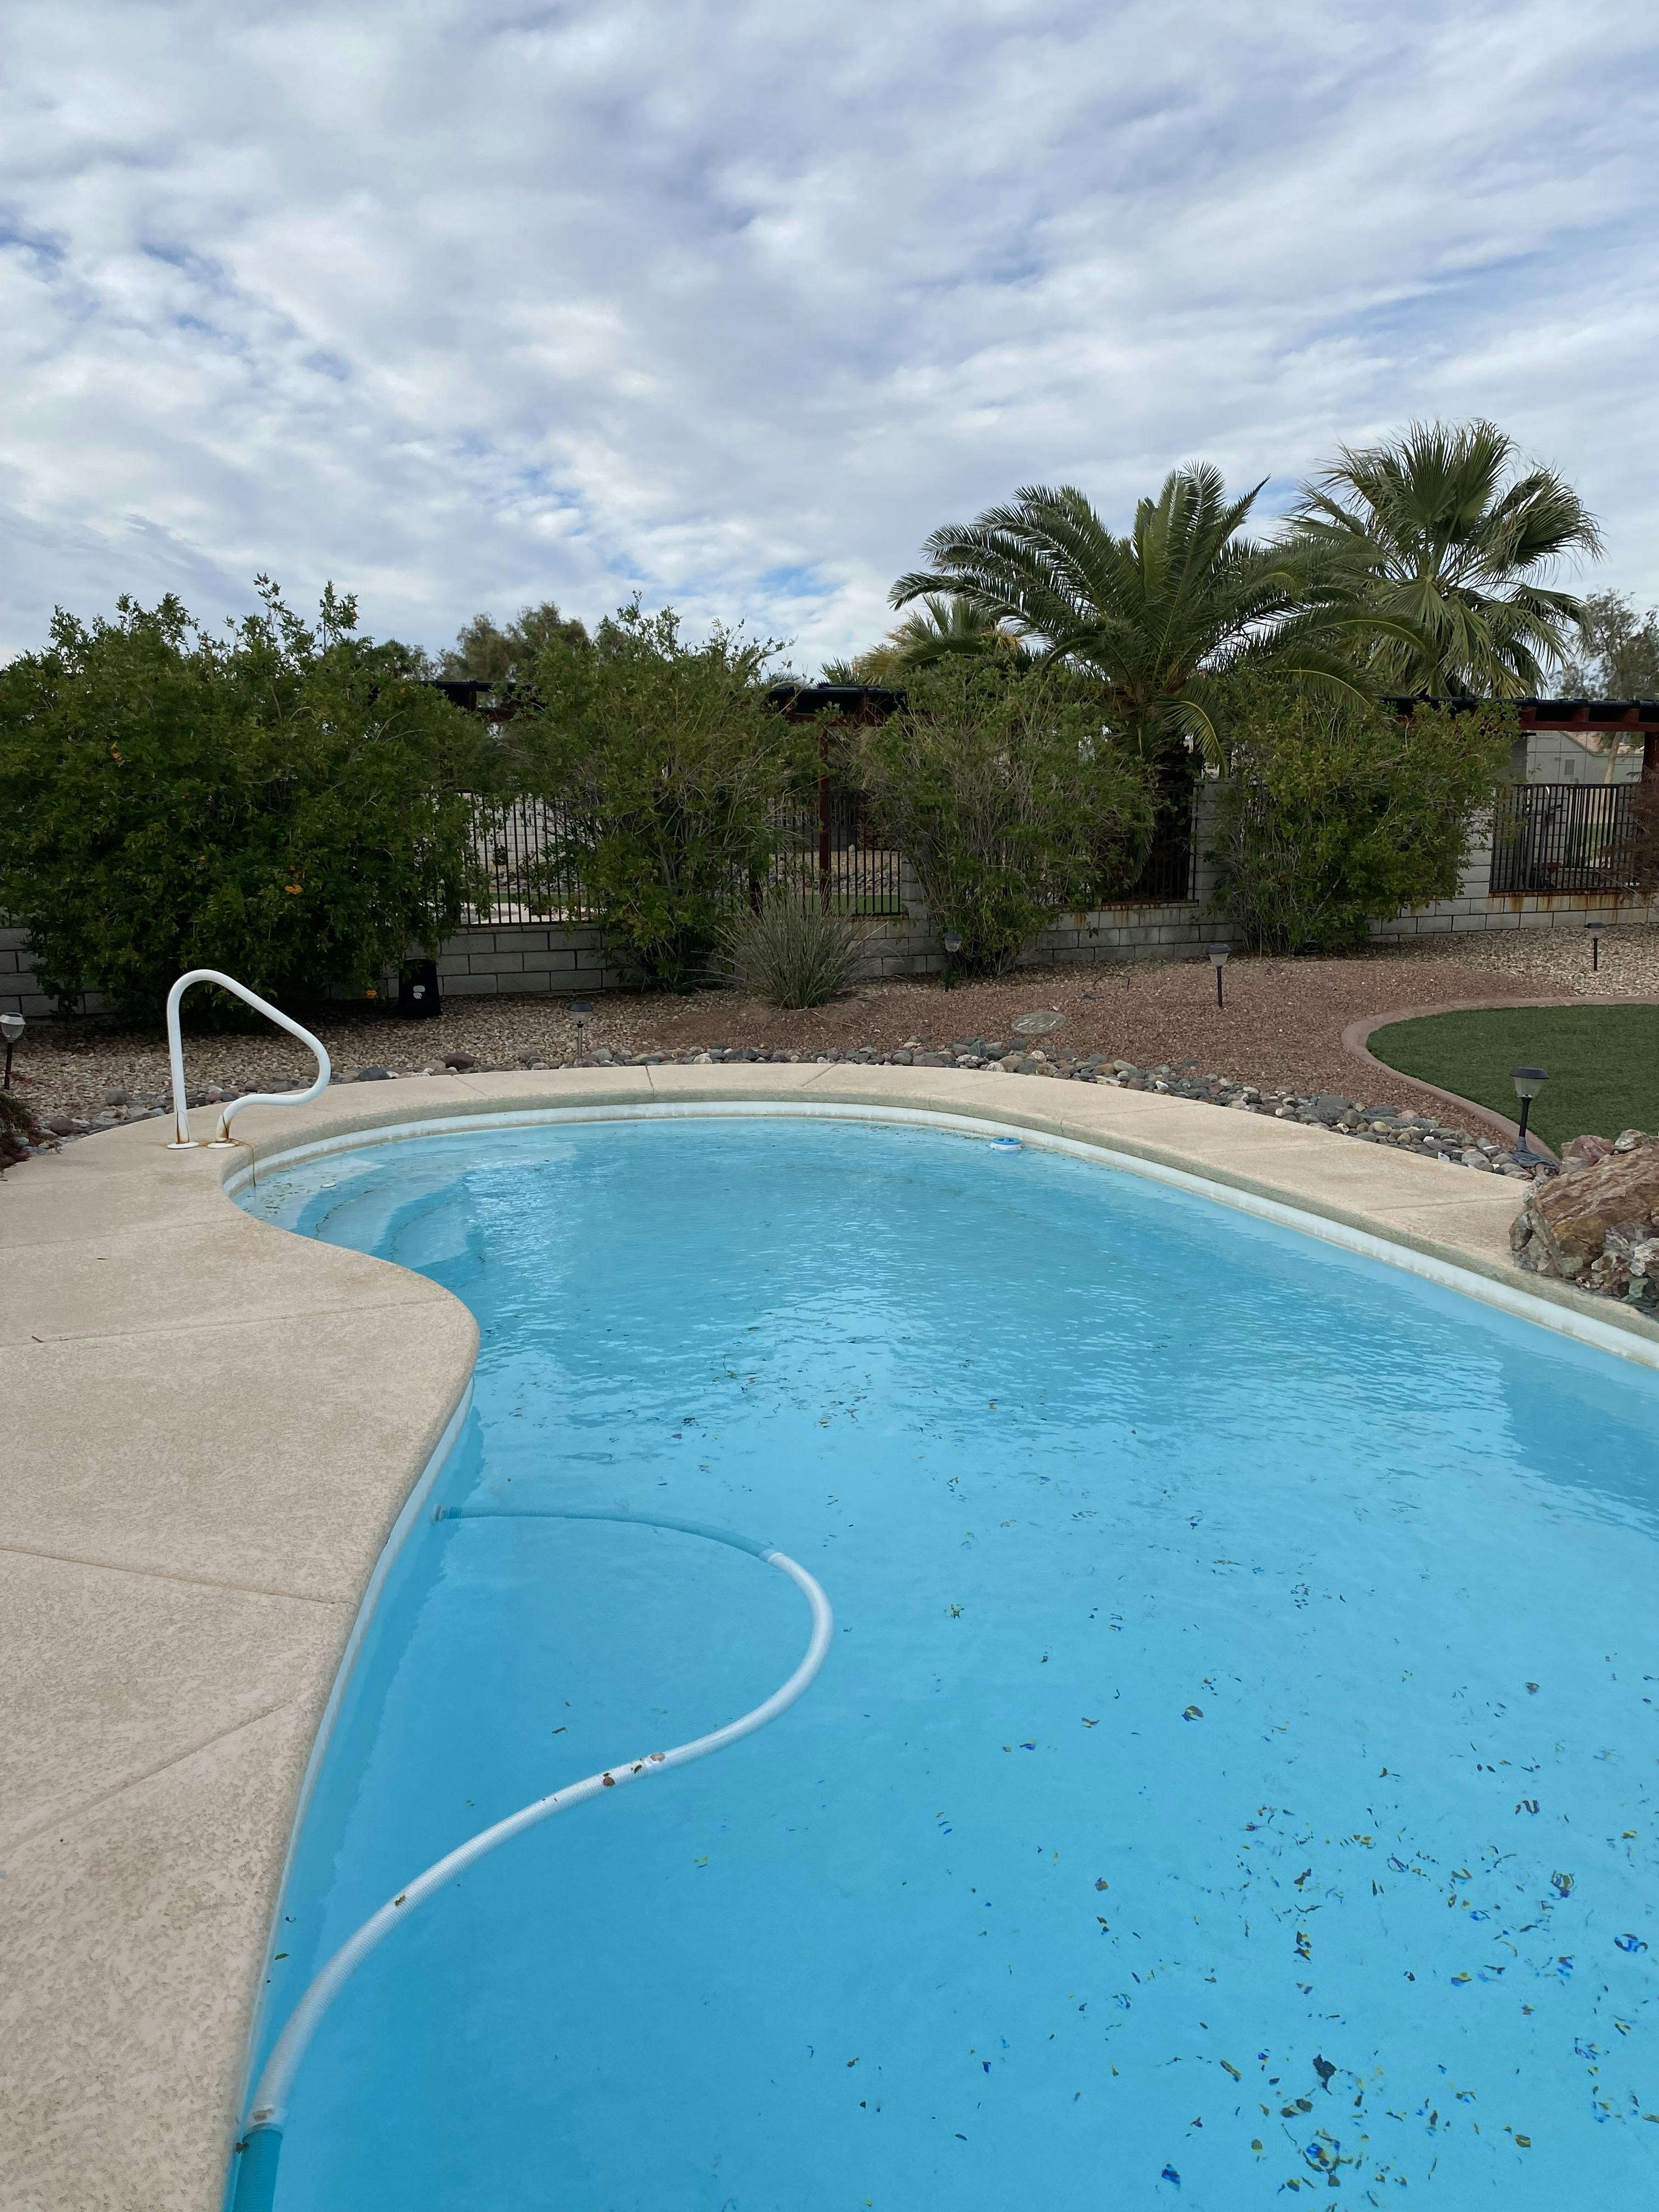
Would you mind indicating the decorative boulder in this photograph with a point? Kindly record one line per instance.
(1586, 1226)
(1588, 1151)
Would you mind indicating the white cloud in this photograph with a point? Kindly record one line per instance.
(466, 306)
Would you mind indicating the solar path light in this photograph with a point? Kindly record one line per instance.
(1218, 957)
(11, 1028)
(953, 946)
(580, 1011)
(1528, 1081)
(1595, 929)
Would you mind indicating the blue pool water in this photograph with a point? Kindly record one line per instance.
(1233, 1779)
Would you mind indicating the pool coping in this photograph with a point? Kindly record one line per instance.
(190, 1545)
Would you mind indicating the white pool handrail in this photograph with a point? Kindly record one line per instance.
(261, 2146)
(182, 1140)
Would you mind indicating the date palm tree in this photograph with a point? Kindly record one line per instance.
(1445, 531)
(1161, 613)
(941, 629)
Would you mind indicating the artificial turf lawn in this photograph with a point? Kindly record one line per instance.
(1603, 1063)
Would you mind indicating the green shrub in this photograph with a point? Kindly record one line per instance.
(669, 764)
(287, 804)
(1008, 798)
(791, 953)
(1336, 816)
(489, 654)
(18, 1127)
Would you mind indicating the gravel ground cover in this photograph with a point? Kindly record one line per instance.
(1279, 1034)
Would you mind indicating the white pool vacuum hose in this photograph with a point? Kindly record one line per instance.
(259, 2151)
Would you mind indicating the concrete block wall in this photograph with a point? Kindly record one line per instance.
(499, 958)
(541, 957)
(487, 960)
(20, 992)
(1126, 932)
(1475, 907)
(1458, 916)
(17, 993)
(494, 959)
(549, 958)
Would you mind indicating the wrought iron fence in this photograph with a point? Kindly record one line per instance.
(1564, 837)
(828, 851)
(530, 853)
(1166, 873)
(825, 851)
(523, 847)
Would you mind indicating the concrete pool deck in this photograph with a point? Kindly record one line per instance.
(210, 1428)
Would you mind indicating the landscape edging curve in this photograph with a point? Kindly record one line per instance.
(1355, 1037)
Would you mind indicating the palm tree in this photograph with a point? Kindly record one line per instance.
(1160, 614)
(943, 628)
(1447, 534)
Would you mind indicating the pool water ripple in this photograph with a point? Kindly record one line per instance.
(1233, 1776)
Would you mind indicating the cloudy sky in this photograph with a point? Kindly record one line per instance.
(465, 304)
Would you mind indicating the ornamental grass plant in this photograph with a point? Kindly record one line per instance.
(790, 952)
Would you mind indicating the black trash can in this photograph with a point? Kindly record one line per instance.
(418, 996)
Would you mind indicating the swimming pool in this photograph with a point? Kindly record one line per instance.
(1233, 1774)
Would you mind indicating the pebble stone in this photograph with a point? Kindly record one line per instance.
(1377, 1125)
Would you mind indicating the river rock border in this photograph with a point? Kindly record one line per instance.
(1423, 1134)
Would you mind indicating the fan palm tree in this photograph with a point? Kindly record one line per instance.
(1446, 532)
(1159, 615)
